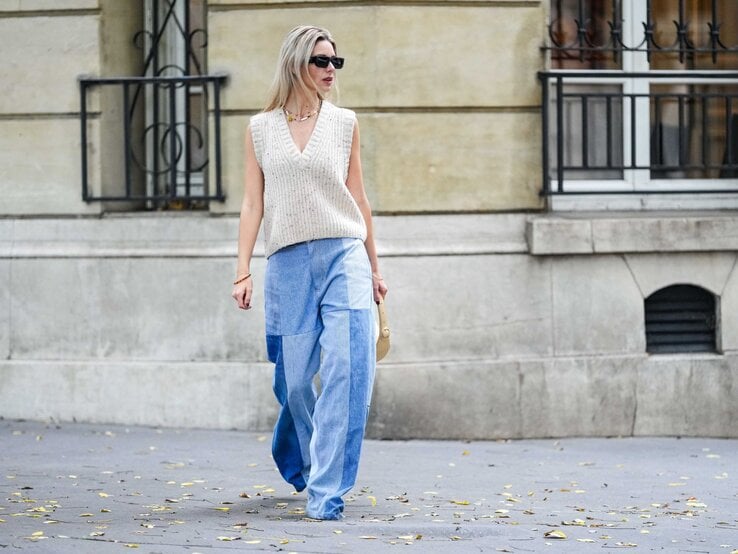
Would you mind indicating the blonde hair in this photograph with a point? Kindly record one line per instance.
(294, 57)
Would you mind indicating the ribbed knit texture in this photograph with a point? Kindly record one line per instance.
(305, 194)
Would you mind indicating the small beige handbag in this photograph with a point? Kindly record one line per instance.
(383, 340)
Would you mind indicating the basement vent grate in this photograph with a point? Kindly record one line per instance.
(680, 318)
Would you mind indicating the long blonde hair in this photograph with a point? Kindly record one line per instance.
(294, 57)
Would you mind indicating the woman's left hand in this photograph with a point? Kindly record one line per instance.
(380, 288)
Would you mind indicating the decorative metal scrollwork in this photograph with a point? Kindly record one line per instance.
(167, 112)
(579, 36)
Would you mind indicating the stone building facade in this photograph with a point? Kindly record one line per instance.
(524, 262)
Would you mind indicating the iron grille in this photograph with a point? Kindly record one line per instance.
(680, 318)
(159, 133)
(590, 132)
(166, 176)
(592, 30)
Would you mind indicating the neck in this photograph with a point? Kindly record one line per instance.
(299, 104)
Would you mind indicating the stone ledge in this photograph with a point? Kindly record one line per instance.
(617, 233)
(554, 397)
(200, 236)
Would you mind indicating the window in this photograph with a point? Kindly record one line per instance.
(642, 97)
(160, 158)
(680, 318)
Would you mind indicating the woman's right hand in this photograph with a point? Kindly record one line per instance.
(242, 293)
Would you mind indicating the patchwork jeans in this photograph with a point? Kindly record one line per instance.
(319, 319)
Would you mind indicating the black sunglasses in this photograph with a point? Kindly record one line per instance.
(323, 61)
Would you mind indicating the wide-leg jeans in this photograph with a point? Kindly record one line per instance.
(319, 319)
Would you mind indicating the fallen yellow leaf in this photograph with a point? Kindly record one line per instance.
(131, 545)
(555, 534)
(626, 544)
(373, 500)
(585, 540)
(103, 494)
(37, 534)
(86, 515)
(222, 508)
(460, 502)
(368, 537)
(574, 522)
(228, 539)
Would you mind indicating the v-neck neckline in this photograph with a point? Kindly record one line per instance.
(314, 135)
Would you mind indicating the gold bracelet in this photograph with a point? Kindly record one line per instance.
(242, 279)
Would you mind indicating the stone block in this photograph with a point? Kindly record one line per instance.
(442, 400)
(728, 330)
(483, 163)
(176, 309)
(468, 307)
(656, 271)
(211, 395)
(495, 400)
(592, 396)
(233, 136)
(148, 235)
(612, 233)
(450, 234)
(397, 56)
(552, 235)
(665, 233)
(688, 396)
(47, 5)
(42, 58)
(597, 307)
(39, 167)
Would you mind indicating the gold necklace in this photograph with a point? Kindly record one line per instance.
(300, 118)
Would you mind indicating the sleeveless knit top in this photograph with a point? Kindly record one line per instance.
(305, 193)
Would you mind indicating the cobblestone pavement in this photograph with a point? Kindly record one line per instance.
(95, 488)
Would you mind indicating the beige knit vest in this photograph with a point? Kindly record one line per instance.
(305, 193)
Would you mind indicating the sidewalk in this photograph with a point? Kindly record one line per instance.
(73, 488)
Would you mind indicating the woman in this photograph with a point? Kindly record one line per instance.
(303, 177)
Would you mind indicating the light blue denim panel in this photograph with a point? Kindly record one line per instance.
(341, 411)
(348, 278)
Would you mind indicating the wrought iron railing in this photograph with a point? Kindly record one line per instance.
(584, 30)
(674, 126)
(165, 158)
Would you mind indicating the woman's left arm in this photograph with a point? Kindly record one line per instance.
(355, 184)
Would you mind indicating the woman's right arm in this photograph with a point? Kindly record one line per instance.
(252, 210)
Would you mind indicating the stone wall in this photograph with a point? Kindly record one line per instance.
(50, 44)
(128, 319)
(446, 95)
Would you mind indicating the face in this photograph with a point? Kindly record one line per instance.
(322, 77)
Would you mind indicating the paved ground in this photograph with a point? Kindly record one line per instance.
(93, 488)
